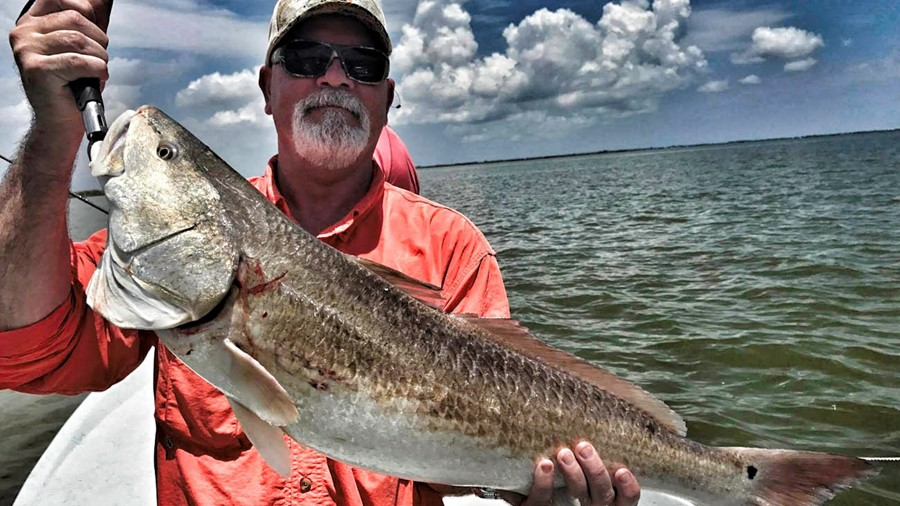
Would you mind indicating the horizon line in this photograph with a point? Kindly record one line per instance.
(653, 148)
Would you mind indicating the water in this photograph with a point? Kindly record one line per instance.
(755, 288)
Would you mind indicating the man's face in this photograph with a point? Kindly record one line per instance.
(331, 120)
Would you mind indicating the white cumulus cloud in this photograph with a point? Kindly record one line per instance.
(728, 29)
(800, 65)
(786, 43)
(556, 64)
(751, 79)
(220, 90)
(714, 87)
(225, 99)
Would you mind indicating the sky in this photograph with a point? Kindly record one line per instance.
(494, 79)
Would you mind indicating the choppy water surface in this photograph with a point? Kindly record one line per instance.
(755, 287)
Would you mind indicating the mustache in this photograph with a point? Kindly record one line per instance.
(333, 98)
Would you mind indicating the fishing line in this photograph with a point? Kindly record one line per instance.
(71, 194)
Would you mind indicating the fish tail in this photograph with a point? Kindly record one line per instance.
(796, 478)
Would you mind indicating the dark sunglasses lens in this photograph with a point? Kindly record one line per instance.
(307, 59)
(364, 64)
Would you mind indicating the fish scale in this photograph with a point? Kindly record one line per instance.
(333, 350)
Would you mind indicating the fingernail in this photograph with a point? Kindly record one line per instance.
(624, 477)
(566, 456)
(585, 450)
(546, 466)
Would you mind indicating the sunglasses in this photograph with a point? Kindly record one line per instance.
(306, 58)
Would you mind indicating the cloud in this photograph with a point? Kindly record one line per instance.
(885, 69)
(220, 91)
(751, 79)
(143, 72)
(785, 43)
(192, 27)
(719, 29)
(225, 100)
(15, 116)
(556, 64)
(14, 121)
(186, 26)
(714, 87)
(800, 65)
(227, 111)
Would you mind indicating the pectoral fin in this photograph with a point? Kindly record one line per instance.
(267, 439)
(254, 387)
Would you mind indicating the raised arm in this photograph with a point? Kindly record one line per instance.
(56, 42)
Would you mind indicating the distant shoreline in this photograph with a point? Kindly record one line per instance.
(650, 149)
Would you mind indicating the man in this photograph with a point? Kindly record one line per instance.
(325, 85)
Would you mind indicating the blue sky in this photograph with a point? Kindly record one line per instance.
(488, 79)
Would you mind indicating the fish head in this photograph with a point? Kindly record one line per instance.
(171, 254)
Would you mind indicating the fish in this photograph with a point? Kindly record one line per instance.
(356, 361)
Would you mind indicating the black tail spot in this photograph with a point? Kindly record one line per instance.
(751, 472)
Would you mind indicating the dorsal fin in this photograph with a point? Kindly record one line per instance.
(513, 335)
(425, 293)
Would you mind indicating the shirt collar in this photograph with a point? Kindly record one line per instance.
(345, 224)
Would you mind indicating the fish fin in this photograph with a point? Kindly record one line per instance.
(425, 293)
(268, 439)
(796, 478)
(516, 336)
(255, 387)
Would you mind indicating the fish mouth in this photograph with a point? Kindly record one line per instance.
(110, 159)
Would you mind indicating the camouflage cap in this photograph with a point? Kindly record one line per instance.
(289, 13)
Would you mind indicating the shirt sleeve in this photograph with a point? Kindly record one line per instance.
(72, 350)
(480, 291)
(392, 155)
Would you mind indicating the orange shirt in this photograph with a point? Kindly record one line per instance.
(202, 455)
(392, 155)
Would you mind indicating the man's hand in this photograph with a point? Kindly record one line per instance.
(55, 43)
(587, 479)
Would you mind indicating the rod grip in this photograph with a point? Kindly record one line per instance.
(86, 90)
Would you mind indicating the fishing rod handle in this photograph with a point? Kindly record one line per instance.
(90, 103)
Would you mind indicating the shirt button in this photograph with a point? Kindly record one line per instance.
(305, 485)
(169, 442)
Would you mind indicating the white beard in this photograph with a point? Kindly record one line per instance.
(332, 143)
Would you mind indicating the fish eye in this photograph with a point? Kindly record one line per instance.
(167, 151)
